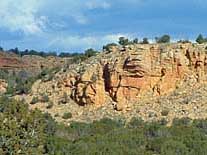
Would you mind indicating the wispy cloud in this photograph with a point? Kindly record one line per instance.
(74, 42)
(29, 16)
(21, 15)
(80, 24)
(80, 18)
(98, 4)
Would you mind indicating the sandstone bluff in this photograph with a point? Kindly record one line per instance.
(141, 80)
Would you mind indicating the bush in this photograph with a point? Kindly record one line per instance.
(48, 74)
(23, 131)
(67, 115)
(182, 122)
(200, 39)
(135, 41)
(45, 98)
(136, 123)
(18, 85)
(165, 112)
(184, 41)
(34, 100)
(173, 147)
(90, 52)
(145, 41)
(108, 46)
(30, 132)
(50, 105)
(21, 83)
(123, 41)
(163, 39)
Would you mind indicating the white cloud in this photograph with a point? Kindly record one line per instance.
(77, 42)
(32, 16)
(98, 4)
(21, 15)
(80, 18)
(115, 37)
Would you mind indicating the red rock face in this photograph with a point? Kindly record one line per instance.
(11, 63)
(33, 65)
(135, 71)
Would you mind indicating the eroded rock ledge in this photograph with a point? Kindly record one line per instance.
(127, 74)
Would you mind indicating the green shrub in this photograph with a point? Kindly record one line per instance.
(23, 131)
(90, 52)
(50, 105)
(135, 41)
(48, 74)
(136, 123)
(165, 112)
(108, 46)
(45, 98)
(123, 41)
(67, 115)
(56, 115)
(184, 41)
(21, 82)
(200, 39)
(182, 121)
(163, 39)
(34, 100)
(144, 41)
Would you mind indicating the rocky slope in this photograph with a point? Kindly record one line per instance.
(29, 63)
(12, 65)
(150, 81)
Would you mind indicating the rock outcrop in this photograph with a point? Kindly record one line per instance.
(137, 70)
(29, 63)
(3, 86)
(125, 75)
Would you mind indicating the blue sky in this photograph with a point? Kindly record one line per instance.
(75, 25)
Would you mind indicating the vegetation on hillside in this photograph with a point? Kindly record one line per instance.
(21, 82)
(88, 53)
(32, 52)
(23, 131)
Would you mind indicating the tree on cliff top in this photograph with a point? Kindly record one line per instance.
(200, 39)
(145, 41)
(163, 39)
(90, 52)
(123, 41)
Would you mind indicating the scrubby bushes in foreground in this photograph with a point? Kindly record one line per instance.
(23, 131)
(30, 132)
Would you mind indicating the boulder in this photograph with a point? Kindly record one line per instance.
(3, 86)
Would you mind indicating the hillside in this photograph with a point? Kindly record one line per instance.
(151, 81)
(134, 99)
(32, 63)
(19, 71)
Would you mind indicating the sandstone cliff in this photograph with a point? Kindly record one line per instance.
(126, 76)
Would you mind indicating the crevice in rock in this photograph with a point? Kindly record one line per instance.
(114, 97)
(106, 77)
